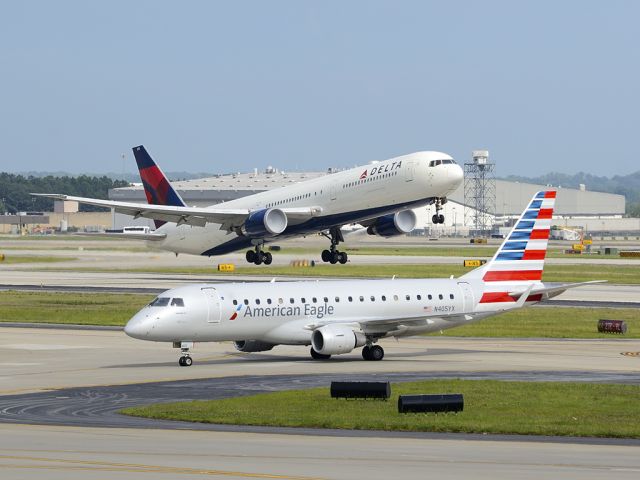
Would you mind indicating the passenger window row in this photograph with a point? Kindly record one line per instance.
(365, 180)
(361, 298)
(287, 200)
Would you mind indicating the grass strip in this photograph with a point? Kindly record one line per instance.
(70, 308)
(444, 251)
(619, 274)
(115, 309)
(491, 406)
(550, 322)
(11, 259)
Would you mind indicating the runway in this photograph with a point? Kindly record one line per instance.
(60, 389)
(53, 424)
(67, 453)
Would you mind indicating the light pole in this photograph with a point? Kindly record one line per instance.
(455, 224)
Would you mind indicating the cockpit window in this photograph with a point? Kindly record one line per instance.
(434, 163)
(177, 302)
(160, 302)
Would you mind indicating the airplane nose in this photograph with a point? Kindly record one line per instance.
(456, 174)
(137, 327)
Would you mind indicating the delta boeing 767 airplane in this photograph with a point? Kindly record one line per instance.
(336, 317)
(378, 196)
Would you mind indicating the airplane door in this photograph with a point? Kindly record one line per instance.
(467, 296)
(409, 171)
(214, 312)
(333, 192)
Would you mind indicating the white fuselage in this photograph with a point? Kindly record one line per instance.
(349, 196)
(287, 312)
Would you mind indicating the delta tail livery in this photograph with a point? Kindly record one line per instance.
(336, 317)
(379, 196)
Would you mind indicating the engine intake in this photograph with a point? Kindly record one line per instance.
(398, 223)
(336, 339)
(252, 346)
(265, 223)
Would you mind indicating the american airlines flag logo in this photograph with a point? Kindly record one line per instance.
(363, 175)
(235, 314)
(428, 309)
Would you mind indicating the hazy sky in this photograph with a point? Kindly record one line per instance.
(224, 86)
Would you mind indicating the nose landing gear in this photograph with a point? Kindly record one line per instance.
(333, 255)
(438, 217)
(185, 360)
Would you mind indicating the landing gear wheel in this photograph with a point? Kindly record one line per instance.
(376, 353)
(259, 258)
(366, 352)
(185, 361)
(333, 255)
(438, 217)
(251, 256)
(268, 258)
(319, 356)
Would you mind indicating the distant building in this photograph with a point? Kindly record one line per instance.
(593, 210)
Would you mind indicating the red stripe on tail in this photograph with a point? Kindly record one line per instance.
(507, 275)
(534, 255)
(539, 235)
(545, 213)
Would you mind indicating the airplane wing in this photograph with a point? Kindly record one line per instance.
(196, 216)
(391, 326)
(556, 289)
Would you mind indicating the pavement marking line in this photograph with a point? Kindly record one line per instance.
(92, 465)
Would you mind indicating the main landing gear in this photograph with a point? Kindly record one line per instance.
(438, 217)
(369, 352)
(333, 255)
(258, 257)
(372, 352)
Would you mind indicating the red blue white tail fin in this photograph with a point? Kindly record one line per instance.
(521, 256)
(157, 187)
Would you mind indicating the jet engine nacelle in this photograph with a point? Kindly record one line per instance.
(336, 339)
(265, 223)
(252, 346)
(396, 224)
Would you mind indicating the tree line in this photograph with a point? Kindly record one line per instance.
(15, 190)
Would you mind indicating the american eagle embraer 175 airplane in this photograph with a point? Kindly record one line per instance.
(379, 196)
(335, 317)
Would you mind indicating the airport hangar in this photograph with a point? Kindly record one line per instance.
(594, 211)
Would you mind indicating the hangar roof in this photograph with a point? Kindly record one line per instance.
(510, 196)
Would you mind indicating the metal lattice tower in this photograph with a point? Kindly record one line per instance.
(479, 193)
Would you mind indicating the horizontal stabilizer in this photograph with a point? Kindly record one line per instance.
(554, 290)
(154, 237)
